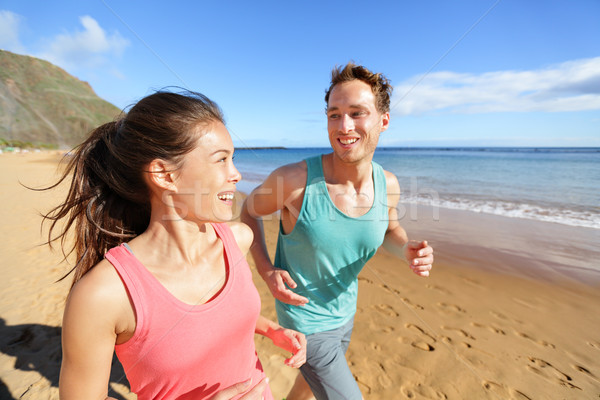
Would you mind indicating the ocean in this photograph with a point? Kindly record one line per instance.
(560, 185)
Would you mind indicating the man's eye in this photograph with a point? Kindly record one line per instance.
(333, 116)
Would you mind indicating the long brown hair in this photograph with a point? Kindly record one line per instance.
(108, 201)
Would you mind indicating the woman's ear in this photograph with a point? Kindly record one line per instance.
(161, 175)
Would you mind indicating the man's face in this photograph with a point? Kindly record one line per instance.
(353, 121)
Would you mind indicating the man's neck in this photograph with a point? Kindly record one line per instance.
(337, 171)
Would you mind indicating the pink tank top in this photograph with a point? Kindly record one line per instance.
(182, 351)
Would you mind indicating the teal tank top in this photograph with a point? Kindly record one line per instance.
(325, 252)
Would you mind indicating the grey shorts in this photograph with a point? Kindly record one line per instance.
(326, 369)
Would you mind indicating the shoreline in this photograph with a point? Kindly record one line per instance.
(551, 251)
(505, 313)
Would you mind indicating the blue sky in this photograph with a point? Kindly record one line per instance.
(466, 73)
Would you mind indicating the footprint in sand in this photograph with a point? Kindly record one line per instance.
(411, 304)
(438, 289)
(366, 280)
(475, 352)
(504, 392)
(383, 377)
(538, 341)
(504, 317)
(419, 391)
(585, 371)
(420, 330)
(461, 332)
(499, 315)
(389, 289)
(450, 308)
(364, 388)
(367, 381)
(491, 328)
(388, 329)
(422, 344)
(595, 345)
(448, 340)
(548, 371)
(386, 309)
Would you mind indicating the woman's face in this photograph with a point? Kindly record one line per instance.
(206, 181)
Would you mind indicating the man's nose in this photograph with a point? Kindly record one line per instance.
(346, 124)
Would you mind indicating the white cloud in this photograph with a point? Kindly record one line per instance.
(90, 48)
(10, 24)
(570, 86)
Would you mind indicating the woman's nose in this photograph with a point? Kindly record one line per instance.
(235, 176)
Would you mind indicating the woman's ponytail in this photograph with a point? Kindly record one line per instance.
(108, 201)
(98, 216)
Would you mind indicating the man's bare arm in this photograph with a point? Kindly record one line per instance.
(277, 193)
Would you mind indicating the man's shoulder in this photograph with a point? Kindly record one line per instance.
(293, 168)
(293, 174)
(391, 182)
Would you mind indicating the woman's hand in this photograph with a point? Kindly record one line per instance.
(292, 341)
(287, 339)
(256, 393)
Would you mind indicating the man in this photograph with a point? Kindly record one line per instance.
(336, 210)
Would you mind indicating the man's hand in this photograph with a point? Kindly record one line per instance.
(256, 393)
(419, 256)
(277, 279)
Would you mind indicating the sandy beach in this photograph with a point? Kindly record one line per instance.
(509, 312)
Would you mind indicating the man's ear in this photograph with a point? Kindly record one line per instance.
(385, 121)
(161, 175)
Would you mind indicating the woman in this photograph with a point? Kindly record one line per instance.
(159, 277)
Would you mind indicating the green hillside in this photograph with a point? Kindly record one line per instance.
(42, 104)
